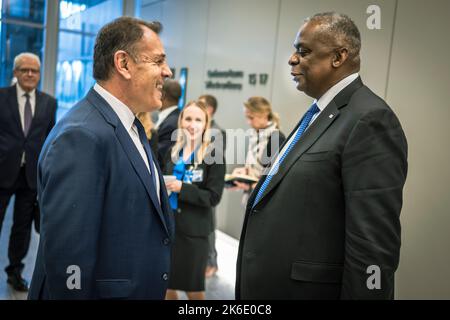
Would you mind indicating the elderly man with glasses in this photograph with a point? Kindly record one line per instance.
(26, 118)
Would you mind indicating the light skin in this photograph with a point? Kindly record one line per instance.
(138, 84)
(27, 73)
(317, 64)
(193, 123)
(256, 120)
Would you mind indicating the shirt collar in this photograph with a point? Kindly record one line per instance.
(164, 113)
(21, 92)
(124, 113)
(334, 90)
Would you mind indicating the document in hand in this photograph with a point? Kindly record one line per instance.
(231, 178)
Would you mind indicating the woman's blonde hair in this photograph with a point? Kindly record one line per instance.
(181, 137)
(261, 105)
(147, 123)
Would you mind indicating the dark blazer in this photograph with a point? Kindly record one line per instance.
(194, 216)
(219, 134)
(12, 140)
(165, 130)
(332, 210)
(99, 212)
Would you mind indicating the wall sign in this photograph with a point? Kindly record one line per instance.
(232, 79)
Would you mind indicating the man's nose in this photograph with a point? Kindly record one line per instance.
(167, 72)
(293, 59)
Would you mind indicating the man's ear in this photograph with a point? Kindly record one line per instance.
(122, 64)
(340, 56)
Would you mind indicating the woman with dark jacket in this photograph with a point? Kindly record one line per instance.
(196, 189)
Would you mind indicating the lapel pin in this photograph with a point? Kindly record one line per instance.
(331, 116)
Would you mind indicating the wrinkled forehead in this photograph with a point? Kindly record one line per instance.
(28, 61)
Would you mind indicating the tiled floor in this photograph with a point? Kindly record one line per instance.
(219, 287)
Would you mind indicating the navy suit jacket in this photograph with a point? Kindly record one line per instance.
(12, 140)
(100, 215)
(165, 130)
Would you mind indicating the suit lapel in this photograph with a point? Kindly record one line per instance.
(140, 167)
(129, 148)
(38, 109)
(13, 103)
(163, 193)
(309, 137)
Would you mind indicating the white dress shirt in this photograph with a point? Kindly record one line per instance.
(21, 100)
(163, 115)
(127, 117)
(321, 104)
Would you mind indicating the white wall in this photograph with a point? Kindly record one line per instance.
(419, 91)
(406, 62)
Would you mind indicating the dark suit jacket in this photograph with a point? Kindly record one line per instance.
(194, 216)
(332, 210)
(165, 130)
(99, 212)
(218, 134)
(12, 140)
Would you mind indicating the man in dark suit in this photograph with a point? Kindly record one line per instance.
(107, 227)
(168, 117)
(26, 117)
(324, 222)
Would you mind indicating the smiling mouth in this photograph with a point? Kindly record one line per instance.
(296, 76)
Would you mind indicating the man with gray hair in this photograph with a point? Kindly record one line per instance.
(324, 222)
(107, 226)
(26, 118)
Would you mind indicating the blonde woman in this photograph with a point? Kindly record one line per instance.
(265, 139)
(197, 189)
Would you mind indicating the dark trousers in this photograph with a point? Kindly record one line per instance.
(19, 240)
(212, 254)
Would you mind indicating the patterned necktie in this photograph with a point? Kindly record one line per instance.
(146, 146)
(28, 116)
(303, 125)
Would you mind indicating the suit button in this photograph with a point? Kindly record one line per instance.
(255, 211)
(166, 241)
(165, 276)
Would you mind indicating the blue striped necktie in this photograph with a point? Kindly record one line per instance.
(302, 127)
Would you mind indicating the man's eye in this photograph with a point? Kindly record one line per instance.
(302, 53)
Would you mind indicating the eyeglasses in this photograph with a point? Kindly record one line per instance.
(29, 70)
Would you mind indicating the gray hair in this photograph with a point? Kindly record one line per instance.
(339, 29)
(20, 56)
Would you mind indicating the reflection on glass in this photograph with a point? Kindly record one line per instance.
(88, 15)
(16, 39)
(79, 23)
(27, 10)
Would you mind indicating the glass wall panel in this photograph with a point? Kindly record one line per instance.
(79, 23)
(21, 30)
